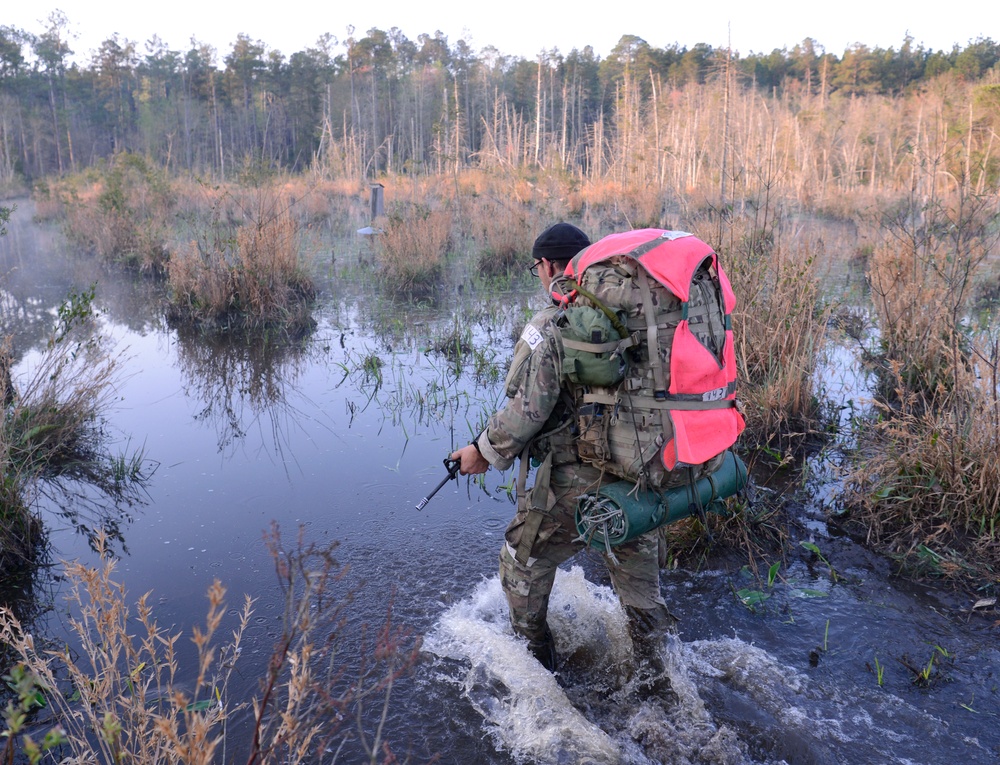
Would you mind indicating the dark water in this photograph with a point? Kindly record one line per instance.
(306, 435)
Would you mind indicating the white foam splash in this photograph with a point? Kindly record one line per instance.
(525, 709)
(718, 688)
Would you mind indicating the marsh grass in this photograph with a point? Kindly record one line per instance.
(779, 327)
(117, 697)
(505, 230)
(926, 484)
(242, 270)
(411, 245)
(50, 433)
(119, 210)
(922, 275)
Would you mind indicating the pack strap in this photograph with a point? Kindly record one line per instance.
(615, 320)
(662, 404)
(534, 513)
(670, 320)
(612, 346)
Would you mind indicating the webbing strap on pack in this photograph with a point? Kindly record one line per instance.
(612, 346)
(533, 516)
(653, 349)
(685, 404)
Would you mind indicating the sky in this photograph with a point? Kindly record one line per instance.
(517, 27)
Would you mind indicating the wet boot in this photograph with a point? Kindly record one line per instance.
(543, 648)
(648, 629)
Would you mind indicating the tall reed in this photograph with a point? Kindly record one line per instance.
(243, 269)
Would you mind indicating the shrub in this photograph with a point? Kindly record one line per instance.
(243, 270)
(122, 213)
(411, 245)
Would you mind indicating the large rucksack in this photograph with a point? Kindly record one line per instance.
(648, 348)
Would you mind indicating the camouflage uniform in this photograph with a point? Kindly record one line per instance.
(539, 415)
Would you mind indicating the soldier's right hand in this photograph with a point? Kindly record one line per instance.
(470, 460)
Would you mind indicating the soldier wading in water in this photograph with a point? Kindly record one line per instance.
(536, 424)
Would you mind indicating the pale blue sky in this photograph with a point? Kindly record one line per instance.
(519, 27)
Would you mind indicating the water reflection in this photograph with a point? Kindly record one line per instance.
(243, 381)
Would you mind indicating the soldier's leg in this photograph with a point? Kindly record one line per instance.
(528, 585)
(636, 579)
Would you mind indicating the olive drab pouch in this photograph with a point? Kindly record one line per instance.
(671, 416)
(593, 351)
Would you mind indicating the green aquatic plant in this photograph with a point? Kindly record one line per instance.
(811, 547)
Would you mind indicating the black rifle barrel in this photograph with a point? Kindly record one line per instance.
(452, 467)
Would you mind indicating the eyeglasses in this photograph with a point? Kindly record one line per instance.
(533, 268)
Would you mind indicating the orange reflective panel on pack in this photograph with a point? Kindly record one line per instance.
(698, 391)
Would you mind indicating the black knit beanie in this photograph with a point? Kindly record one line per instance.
(559, 242)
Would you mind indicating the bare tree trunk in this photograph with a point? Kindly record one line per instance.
(55, 126)
(538, 110)
(725, 131)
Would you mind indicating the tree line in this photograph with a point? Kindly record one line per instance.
(381, 102)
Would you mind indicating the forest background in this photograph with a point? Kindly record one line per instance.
(382, 103)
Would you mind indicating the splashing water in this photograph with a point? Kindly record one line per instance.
(726, 702)
(605, 718)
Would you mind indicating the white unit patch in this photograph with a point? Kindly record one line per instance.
(532, 336)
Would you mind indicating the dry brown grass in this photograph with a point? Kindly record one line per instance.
(504, 230)
(927, 481)
(926, 487)
(922, 273)
(411, 246)
(244, 269)
(779, 326)
(118, 700)
(120, 696)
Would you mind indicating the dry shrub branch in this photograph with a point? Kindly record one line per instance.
(243, 270)
(123, 695)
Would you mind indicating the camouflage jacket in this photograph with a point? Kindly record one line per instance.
(536, 407)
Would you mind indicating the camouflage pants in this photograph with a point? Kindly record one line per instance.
(635, 577)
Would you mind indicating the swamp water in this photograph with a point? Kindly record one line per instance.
(317, 434)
